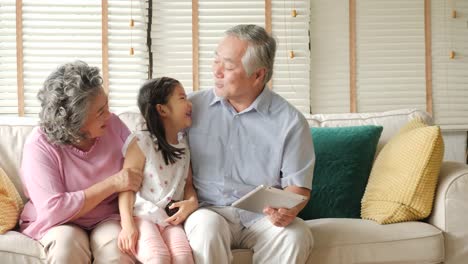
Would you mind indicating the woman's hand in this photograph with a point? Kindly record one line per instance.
(124, 180)
(128, 239)
(128, 179)
(186, 207)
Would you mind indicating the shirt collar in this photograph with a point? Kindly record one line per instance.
(263, 101)
(261, 104)
(215, 98)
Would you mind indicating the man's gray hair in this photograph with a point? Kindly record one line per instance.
(261, 50)
(65, 100)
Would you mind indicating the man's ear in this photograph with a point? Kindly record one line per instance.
(162, 110)
(260, 75)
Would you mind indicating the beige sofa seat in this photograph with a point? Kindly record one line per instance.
(18, 248)
(442, 239)
(365, 241)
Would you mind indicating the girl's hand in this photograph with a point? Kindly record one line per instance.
(186, 207)
(128, 239)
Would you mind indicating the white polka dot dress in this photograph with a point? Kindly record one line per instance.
(161, 183)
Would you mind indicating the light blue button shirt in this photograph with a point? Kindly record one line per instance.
(268, 143)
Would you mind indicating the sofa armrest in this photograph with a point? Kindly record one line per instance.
(450, 212)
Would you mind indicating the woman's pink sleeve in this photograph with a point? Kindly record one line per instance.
(42, 175)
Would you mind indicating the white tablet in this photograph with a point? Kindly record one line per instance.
(262, 196)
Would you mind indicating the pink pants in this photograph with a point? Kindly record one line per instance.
(162, 245)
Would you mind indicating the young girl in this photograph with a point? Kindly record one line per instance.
(161, 151)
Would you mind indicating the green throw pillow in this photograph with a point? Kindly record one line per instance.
(344, 157)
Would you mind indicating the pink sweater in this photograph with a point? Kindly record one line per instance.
(55, 177)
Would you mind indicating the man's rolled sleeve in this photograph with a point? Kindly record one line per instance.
(298, 157)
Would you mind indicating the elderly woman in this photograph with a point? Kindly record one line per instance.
(72, 170)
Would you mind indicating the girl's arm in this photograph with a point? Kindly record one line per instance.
(188, 205)
(189, 191)
(134, 159)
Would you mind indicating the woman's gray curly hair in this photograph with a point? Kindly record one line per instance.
(65, 99)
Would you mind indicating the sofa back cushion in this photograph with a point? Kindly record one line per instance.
(132, 118)
(13, 134)
(14, 131)
(391, 121)
(404, 177)
(344, 157)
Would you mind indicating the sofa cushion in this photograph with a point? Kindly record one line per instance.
(344, 157)
(344, 241)
(364, 241)
(404, 176)
(132, 118)
(14, 131)
(10, 203)
(14, 243)
(392, 121)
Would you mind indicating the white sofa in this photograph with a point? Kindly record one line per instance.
(443, 238)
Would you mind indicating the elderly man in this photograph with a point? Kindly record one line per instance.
(244, 135)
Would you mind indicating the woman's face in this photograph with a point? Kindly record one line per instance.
(98, 115)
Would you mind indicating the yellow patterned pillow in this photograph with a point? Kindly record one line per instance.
(10, 203)
(404, 176)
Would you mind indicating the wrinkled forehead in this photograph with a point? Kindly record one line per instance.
(231, 48)
(98, 103)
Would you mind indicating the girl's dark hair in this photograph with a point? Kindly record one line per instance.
(154, 92)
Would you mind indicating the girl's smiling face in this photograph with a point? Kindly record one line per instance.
(179, 109)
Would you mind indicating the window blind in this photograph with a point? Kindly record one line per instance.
(127, 72)
(329, 64)
(450, 76)
(58, 32)
(171, 34)
(8, 85)
(55, 33)
(390, 50)
(291, 76)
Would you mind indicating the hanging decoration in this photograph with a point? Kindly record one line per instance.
(293, 14)
(453, 15)
(132, 25)
(452, 54)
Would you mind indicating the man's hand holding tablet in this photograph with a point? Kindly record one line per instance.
(263, 196)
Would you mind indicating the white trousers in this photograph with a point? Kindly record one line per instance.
(71, 244)
(213, 231)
